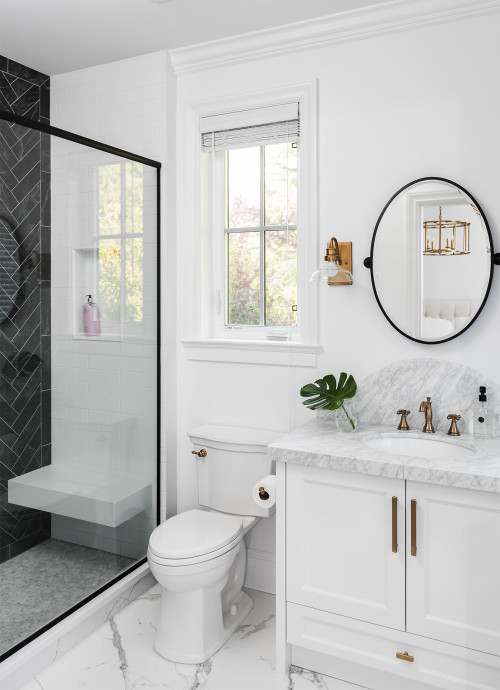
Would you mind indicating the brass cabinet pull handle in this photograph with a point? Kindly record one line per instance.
(394, 524)
(405, 656)
(413, 527)
(200, 453)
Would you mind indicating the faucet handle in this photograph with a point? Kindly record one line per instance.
(403, 424)
(453, 430)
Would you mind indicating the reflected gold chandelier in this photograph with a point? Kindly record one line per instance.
(446, 237)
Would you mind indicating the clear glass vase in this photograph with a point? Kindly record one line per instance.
(347, 416)
(328, 416)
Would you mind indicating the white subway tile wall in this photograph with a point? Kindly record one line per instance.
(104, 390)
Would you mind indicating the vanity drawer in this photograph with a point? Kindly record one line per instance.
(368, 652)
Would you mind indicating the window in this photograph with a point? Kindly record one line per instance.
(251, 160)
(261, 236)
(120, 245)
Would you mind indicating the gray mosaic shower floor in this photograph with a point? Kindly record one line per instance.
(45, 581)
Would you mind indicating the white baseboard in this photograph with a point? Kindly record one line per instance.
(261, 571)
(22, 666)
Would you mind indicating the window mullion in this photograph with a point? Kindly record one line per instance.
(123, 223)
(246, 229)
(97, 262)
(226, 236)
(262, 240)
(226, 284)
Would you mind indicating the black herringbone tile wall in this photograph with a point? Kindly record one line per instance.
(24, 300)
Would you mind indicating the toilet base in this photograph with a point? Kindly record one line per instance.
(243, 604)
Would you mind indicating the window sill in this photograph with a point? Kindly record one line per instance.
(101, 337)
(283, 353)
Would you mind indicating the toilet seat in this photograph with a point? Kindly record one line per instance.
(194, 536)
(191, 562)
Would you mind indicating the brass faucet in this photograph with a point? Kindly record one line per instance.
(453, 430)
(427, 408)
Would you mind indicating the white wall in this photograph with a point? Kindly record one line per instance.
(392, 109)
(124, 104)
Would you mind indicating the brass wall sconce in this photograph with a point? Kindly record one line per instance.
(446, 237)
(337, 264)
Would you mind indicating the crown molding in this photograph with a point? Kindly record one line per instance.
(378, 20)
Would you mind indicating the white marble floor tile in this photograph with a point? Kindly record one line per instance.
(120, 656)
(300, 679)
(94, 663)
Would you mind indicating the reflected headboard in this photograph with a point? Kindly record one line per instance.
(448, 309)
(458, 313)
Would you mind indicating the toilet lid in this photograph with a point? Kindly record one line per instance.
(194, 533)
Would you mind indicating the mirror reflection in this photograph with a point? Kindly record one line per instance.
(431, 260)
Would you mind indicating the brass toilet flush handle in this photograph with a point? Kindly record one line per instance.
(200, 453)
(453, 430)
(403, 424)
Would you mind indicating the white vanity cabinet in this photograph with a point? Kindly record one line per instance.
(453, 581)
(340, 556)
(357, 605)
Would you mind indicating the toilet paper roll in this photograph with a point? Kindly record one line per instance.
(264, 492)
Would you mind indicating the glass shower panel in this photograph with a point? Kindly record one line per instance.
(91, 483)
(104, 386)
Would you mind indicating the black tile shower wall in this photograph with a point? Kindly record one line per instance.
(25, 347)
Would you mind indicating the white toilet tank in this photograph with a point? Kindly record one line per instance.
(236, 460)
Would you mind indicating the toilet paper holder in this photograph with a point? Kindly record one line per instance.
(263, 494)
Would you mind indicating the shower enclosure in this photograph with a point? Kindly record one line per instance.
(79, 375)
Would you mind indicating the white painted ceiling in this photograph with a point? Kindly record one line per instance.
(55, 36)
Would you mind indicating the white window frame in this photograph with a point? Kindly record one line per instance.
(219, 240)
(199, 324)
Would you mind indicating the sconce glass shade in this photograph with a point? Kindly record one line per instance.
(331, 273)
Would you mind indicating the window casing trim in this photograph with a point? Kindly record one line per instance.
(196, 221)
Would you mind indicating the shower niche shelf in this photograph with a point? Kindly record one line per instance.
(101, 498)
(85, 267)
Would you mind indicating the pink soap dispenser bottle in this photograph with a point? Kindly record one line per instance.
(91, 317)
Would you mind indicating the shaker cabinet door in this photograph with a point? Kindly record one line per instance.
(346, 544)
(453, 578)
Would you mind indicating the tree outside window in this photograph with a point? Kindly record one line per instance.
(261, 235)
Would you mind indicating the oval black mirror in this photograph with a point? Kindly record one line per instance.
(431, 260)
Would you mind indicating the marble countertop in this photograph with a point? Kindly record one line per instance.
(319, 444)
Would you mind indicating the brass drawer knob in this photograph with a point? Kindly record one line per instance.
(405, 656)
(200, 453)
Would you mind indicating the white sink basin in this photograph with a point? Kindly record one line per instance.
(419, 447)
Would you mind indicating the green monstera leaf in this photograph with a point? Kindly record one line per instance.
(325, 394)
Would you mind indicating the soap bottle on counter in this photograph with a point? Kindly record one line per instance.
(482, 421)
(91, 317)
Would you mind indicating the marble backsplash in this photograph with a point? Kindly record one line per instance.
(453, 388)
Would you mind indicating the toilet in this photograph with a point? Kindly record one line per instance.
(199, 556)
